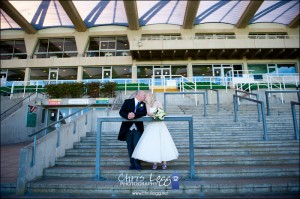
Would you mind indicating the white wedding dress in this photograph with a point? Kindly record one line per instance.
(156, 143)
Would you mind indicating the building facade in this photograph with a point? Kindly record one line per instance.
(158, 50)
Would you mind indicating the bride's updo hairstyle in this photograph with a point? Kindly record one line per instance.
(150, 98)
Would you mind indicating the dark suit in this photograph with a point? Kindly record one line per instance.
(125, 134)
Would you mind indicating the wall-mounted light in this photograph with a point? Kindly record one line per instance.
(140, 43)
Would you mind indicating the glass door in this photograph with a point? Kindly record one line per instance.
(227, 73)
(160, 74)
(53, 75)
(217, 71)
(106, 73)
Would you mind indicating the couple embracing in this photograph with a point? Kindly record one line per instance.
(154, 144)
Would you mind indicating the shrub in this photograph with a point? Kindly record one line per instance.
(65, 90)
(108, 89)
(93, 89)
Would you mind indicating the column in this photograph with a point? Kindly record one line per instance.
(245, 66)
(79, 73)
(190, 69)
(134, 72)
(27, 75)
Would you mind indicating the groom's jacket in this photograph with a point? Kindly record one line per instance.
(127, 107)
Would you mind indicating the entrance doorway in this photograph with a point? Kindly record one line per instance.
(160, 75)
(106, 73)
(224, 74)
(53, 75)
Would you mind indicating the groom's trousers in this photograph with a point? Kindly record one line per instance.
(132, 138)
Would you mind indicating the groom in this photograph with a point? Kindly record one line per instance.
(132, 131)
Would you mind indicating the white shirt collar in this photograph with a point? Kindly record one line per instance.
(136, 101)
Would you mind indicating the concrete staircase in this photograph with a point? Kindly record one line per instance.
(231, 159)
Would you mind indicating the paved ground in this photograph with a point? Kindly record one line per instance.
(10, 162)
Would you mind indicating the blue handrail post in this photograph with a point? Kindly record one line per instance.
(235, 107)
(218, 100)
(74, 130)
(33, 152)
(46, 121)
(98, 152)
(296, 128)
(191, 142)
(58, 134)
(204, 104)
(264, 121)
(267, 103)
(258, 107)
(206, 95)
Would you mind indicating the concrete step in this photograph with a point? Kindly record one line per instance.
(218, 171)
(230, 158)
(286, 150)
(185, 160)
(202, 144)
(281, 187)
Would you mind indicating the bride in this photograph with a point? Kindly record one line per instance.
(156, 144)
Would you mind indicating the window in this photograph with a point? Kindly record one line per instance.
(122, 72)
(16, 75)
(92, 73)
(107, 46)
(161, 37)
(144, 71)
(279, 35)
(215, 36)
(202, 70)
(67, 74)
(179, 70)
(39, 73)
(286, 68)
(56, 47)
(13, 49)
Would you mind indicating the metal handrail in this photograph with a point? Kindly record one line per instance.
(58, 133)
(248, 93)
(235, 99)
(174, 93)
(16, 105)
(115, 100)
(279, 91)
(296, 128)
(100, 120)
(218, 97)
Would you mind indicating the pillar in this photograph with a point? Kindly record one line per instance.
(190, 69)
(79, 73)
(134, 72)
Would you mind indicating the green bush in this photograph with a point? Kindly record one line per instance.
(77, 90)
(108, 89)
(93, 89)
(65, 90)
